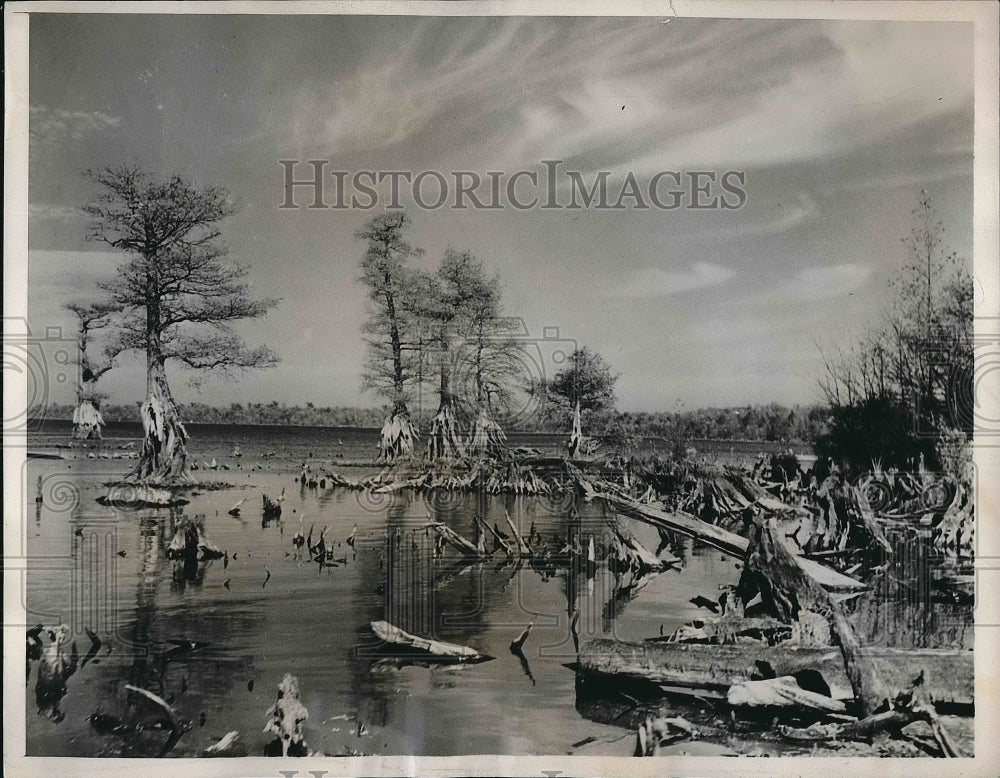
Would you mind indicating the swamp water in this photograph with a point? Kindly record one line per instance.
(270, 612)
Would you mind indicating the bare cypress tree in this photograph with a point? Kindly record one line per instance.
(87, 420)
(178, 296)
(488, 359)
(449, 311)
(393, 355)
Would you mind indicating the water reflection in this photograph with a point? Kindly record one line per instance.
(314, 622)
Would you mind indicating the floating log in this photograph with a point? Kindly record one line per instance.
(523, 547)
(497, 536)
(718, 667)
(393, 634)
(463, 545)
(335, 479)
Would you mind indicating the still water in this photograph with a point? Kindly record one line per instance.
(268, 612)
(114, 578)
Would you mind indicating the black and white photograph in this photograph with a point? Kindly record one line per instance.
(540, 388)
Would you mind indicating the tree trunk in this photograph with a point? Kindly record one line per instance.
(445, 440)
(398, 435)
(787, 590)
(487, 438)
(87, 419)
(163, 459)
(949, 673)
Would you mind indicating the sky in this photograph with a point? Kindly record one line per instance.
(834, 126)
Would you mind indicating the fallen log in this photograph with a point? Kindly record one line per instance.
(396, 636)
(460, 543)
(914, 705)
(781, 692)
(728, 542)
(643, 559)
(496, 536)
(682, 523)
(718, 667)
(523, 547)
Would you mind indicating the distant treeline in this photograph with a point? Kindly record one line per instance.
(773, 422)
(757, 422)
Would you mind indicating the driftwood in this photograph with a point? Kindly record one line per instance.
(786, 589)
(783, 691)
(500, 540)
(729, 542)
(522, 546)
(729, 628)
(917, 704)
(231, 744)
(460, 543)
(177, 728)
(684, 524)
(638, 557)
(396, 636)
(949, 673)
(655, 732)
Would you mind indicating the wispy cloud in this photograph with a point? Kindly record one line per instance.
(815, 283)
(55, 212)
(656, 282)
(638, 94)
(60, 125)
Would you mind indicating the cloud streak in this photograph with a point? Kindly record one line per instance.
(817, 283)
(656, 282)
(641, 95)
(59, 125)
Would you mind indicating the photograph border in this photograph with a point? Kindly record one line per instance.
(986, 263)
